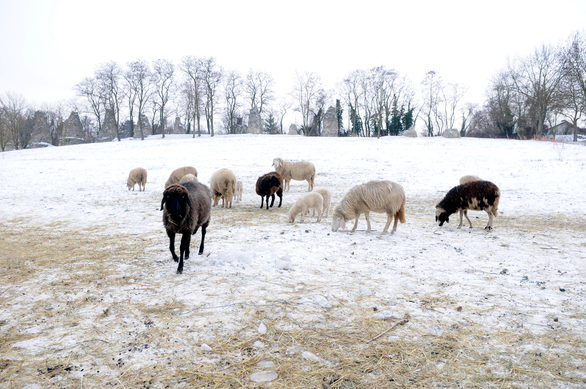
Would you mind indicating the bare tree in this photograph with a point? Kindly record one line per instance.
(138, 78)
(90, 89)
(307, 91)
(431, 89)
(353, 93)
(212, 75)
(163, 71)
(232, 90)
(574, 83)
(537, 79)
(108, 77)
(258, 86)
(283, 108)
(13, 122)
(193, 69)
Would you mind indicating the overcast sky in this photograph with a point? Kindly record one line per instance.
(49, 46)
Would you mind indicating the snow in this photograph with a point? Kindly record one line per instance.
(528, 273)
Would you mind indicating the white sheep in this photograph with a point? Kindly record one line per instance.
(137, 176)
(176, 175)
(223, 185)
(238, 193)
(374, 196)
(302, 170)
(327, 200)
(187, 178)
(312, 200)
(464, 180)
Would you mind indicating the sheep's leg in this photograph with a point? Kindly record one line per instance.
(389, 218)
(319, 212)
(171, 236)
(355, 223)
(489, 225)
(280, 194)
(366, 215)
(184, 249)
(272, 200)
(465, 213)
(203, 237)
(395, 223)
(262, 200)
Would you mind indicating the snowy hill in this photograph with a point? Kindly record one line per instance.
(90, 295)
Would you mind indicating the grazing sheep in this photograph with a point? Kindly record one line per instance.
(475, 195)
(238, 192)
(327, 200)
(374, 196)
(187, 178)
(464, 180)
(269, 184)
(178, 173)
(295, 170)
(223, 184)
(468, 178)
(185, 208)
(137, 176)
(312, 200)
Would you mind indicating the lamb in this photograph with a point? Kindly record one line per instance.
(312, 200)
(178, 173)
(185, 208)
(223, 184)
(295, 170)
(475, 195)
(269, 184)
(238, 192)
(465, 180)
(327, 196)
(374, 196)
(137, 176)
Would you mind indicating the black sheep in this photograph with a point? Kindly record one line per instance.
(476, 196)
(269, 184)
(185, 208)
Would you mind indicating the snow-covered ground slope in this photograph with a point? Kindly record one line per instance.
(90, 297)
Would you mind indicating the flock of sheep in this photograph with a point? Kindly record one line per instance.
(187, 203)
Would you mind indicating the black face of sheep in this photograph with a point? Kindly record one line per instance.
(442, 218)
(176, 206)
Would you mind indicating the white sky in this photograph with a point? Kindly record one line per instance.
(47, 47)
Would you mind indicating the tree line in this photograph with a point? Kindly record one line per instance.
(144, 98)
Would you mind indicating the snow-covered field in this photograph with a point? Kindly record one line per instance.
(90, 297)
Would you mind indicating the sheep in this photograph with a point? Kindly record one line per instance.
(475, 195)
(238, 192)
(469, 178)
(295, 170)
(178, 173)
(374, 196)
(312, 200)
(137, 176)
(465, 180)
(185, 208)
(187, 178)
(223, 184)
(327, 196)
(269, 184)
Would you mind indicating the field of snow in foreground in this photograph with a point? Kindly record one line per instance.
(90, 297)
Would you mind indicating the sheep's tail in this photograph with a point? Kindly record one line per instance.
(495, 207)
(401, 213)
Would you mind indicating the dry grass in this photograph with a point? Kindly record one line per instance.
(64, 289)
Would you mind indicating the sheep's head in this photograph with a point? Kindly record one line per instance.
(129, 183)
(338, 220)
(277, 163)
(441, 216)
(176, 202)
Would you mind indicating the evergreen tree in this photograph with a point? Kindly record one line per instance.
(395, 126)
(407, 118)
(356, 121)
(339, 112)
(271, 126)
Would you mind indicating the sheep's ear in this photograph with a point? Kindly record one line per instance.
(447, 220)
(163, 201)
(435, 217)
(186, 197)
